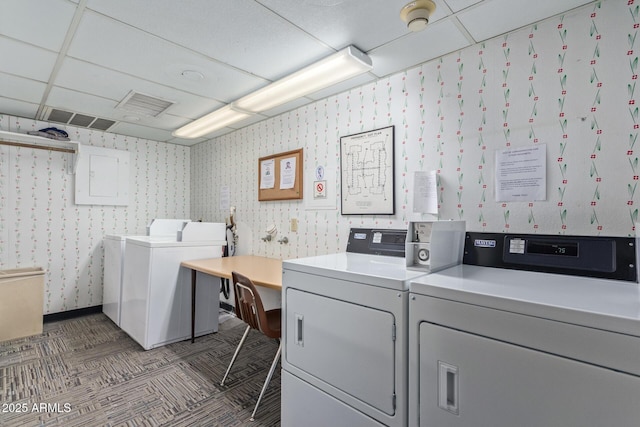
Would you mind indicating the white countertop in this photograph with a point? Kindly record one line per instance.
(611, 305)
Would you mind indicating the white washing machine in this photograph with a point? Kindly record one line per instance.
(114, 262)
(507, 347)
(156, 291)
(345, 334)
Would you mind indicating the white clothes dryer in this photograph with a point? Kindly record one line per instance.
(506, 347)
(345, 334)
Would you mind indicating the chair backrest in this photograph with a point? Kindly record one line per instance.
(249, 306)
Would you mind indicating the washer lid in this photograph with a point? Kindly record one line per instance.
(169, 241)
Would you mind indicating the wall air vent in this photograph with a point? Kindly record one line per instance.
(75, 119)
(146, 105)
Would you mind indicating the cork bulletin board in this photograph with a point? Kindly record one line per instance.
(280, 176)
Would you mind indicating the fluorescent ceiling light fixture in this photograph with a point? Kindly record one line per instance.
(340, 66)
(211, 122)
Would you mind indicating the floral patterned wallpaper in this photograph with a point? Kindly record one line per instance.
(568, 82)
(41, 226)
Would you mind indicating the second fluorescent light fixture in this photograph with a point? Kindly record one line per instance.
(340, 66)
(213, 121)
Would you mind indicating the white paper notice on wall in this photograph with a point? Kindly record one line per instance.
(267, 174)
(425, 192)
(521, 174)
(287, 173)
(102, 176)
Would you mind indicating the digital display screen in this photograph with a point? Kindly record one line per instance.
(547, 248)
(393, 238)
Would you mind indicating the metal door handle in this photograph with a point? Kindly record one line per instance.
(448, 387)
(298, 329)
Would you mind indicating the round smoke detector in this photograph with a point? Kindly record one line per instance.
(416, 14)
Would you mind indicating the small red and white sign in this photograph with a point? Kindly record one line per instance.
(320, 189)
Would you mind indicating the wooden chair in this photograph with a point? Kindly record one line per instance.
(250, 310)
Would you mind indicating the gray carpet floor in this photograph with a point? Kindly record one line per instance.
(87, 372)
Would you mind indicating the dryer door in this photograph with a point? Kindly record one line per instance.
(467, 379)
(343, 345)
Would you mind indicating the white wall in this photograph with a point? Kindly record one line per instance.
(41, 226)
(568, 82)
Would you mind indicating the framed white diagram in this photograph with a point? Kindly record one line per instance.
(367, 175)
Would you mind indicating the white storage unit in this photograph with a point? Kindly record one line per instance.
(345, 339)
(156, 291)
(495, 347)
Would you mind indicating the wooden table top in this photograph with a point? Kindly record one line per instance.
(262, 271)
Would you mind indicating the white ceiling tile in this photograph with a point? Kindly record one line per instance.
(83, 103)
(23, 89)
(436, 40)
(492, 18)
(364, 23)
(137, 53)
(458, 5)
(227, 32)
(114, 85)
(18, 108)
(27, 61)
(41, 23)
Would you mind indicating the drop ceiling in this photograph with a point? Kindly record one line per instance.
(86, 57)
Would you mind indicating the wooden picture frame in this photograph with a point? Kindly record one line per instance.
(367, 173)
(280, 176)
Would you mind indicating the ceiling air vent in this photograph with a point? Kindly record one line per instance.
(147, 105)
(75, 119)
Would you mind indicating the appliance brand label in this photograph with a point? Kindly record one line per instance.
(360, 236)
(480, 243)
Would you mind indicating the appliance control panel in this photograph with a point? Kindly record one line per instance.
(377, 241)
(594, 256)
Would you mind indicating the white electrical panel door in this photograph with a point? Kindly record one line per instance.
(469, 380)
(102, 176)
(346, 345)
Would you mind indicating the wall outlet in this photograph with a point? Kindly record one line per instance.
(294, 225)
